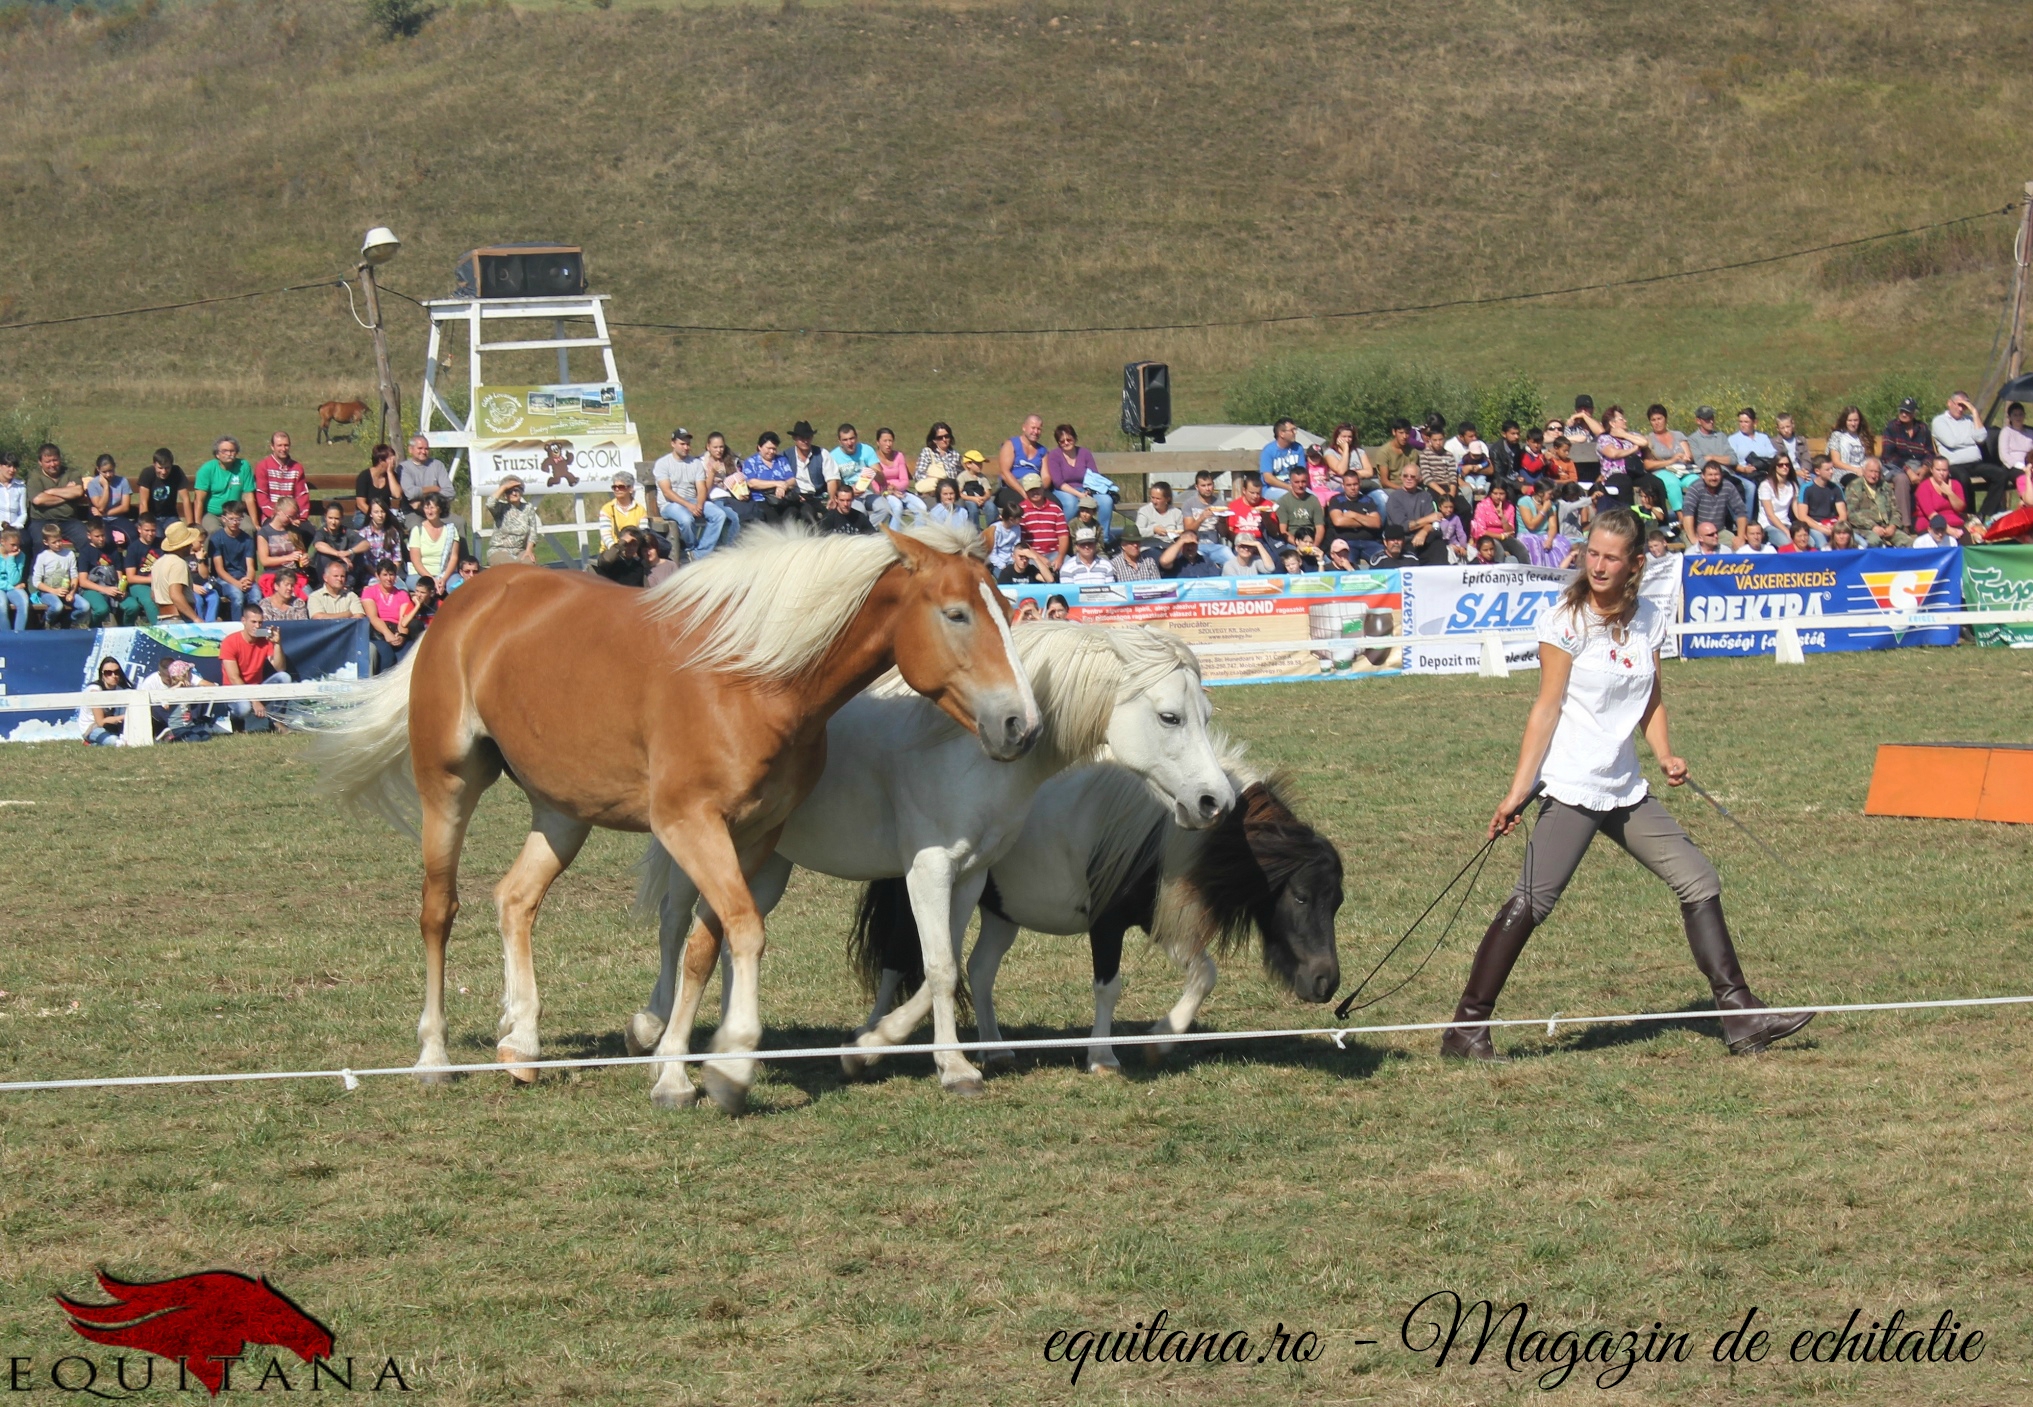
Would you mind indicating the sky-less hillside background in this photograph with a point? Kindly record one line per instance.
(998, 165)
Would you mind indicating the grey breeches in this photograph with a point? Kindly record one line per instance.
(1647, 831)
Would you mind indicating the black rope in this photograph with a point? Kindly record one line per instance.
(174, 307)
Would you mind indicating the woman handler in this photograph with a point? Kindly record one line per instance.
(1598, 684)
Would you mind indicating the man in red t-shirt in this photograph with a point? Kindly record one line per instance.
(1044, 522)
(254, 656)
(278, 477)
(1252, 511)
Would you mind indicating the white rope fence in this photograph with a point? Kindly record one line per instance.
(351, 1078)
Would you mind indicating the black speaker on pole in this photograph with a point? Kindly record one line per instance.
(1147, 400)
(521, 271)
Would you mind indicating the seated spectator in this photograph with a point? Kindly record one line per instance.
(1130, 561)
(284, 601)
(1668, 455)
(1786, 440)
(620, 563)
(54, 581)
(1871, 509)
(1183, 558)
(1453, 528)
(889, 493)
(254, 655)
(1488, 551)
(1087, 514)
(1414, 511)
(1342, 455)
(1652, 517)
(469, 567)
(178, 722)
(1778, 496)
(1250, 558)
(1394, 453)
(848, 462)
(163, 492)
(1939, 495)
(1205, 514)
(1396, 546)
(173, 580)
(1437, 468)
(224, 478)
(1003, 537)
(948, 511)
(387, 540)
(1159, 519)
(1707, 538)
(1072, 473)
(1087, 567)
(434, 547)
(1938, 533)
(380, 482)
(975, 488)
(102, 583)
(13, 579)
(1840, 538)
(1340, 558)
(1617, 449)
(843, 514)
(1960, 438)
(771, 480)
(1046, 532)
(1821, 504)
(1251, 512)
(1582, 430)
(1714, 500)
(1905, 448)
(111, 497)
(1539, 522)
(105, 727)
(1495, 518)
(1355, 521)
(386, 603)
(939, 459)
(334, 541)
(137, 598)
(420, 476)
(334, 598)
(1301, 516)
(1850, 443)
(1533, 461)
(1755, 540)
(421, 611)
(1026, 567)
(1276, 460)
(1752, 447)
(277, 544)
(2015, 450)
(623, 510)
(518, 526)
(657, 568)
(1802, 540)
(1560, 462)
(1657, 545)
(232, 553)
(1290, 562)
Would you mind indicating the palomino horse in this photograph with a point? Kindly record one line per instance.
(340, 413)
(1096, 856)
(905, 793)
(695, 711)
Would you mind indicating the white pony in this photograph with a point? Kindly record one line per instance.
(906, 793)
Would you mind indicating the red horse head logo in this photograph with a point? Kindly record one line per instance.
(200, 1319)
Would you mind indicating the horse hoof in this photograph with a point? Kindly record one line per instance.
(508, 1055)
(731, 1096)
(674, 1098)
(1155, 1054)
(431, 1076)
(998, 1059)
(857, 1067)
(967, 1087)
(1103, 1067)
(642, 1033)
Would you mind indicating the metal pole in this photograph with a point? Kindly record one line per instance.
(564, 353)
(2013, 361)
(391, 397)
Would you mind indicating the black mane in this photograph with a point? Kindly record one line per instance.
(1250, 858)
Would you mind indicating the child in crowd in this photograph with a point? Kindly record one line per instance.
(55, 579)
(1452, 529)
(13, 580)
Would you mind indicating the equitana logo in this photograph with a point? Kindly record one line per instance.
(204, 1325)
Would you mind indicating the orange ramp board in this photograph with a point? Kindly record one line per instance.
(1953, 782)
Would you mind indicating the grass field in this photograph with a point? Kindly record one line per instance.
(203, 908)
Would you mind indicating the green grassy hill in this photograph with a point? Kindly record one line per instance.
(892, 165)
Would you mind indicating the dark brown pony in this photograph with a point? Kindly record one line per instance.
(340, 413)
(695, 711)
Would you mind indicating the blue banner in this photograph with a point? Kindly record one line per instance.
(65, 661)
(1744, 595)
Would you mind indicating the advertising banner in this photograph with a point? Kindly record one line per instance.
(1744, 594)
(1247, 610)
(552, 437)
(1999, 578)
(1468, 602)
(65, 661)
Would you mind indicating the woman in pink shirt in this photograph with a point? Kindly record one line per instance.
(1938, 493)
(889, 483)
(385, 601)
(1494, 517)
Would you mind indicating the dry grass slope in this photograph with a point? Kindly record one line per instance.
(885, 164)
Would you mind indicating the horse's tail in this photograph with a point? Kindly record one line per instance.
(653, 874)
(885, 937)
(361, 746)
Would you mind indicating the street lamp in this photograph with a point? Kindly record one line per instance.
(377, 249)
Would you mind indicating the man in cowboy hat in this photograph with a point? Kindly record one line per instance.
(169, 581)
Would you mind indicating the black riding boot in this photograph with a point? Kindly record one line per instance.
(1494, 960)
(1716, 956)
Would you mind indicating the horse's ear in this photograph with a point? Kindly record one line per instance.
(914, 553)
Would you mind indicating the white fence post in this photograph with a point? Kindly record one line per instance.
(1494, 665)
(1787, 647)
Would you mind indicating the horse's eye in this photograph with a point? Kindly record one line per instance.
(1170, 720)
(957, 614)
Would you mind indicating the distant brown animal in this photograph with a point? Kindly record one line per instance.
(340, 413)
